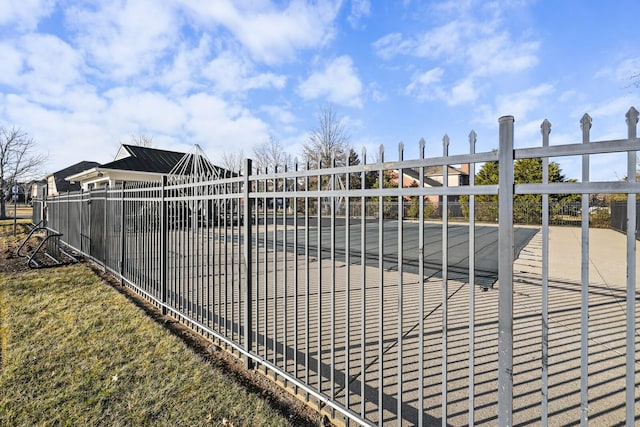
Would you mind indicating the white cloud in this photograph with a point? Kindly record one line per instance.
(463, 92)
(446, 40)
(520, 105)
(147, 111)
(118, 41)
(272, 35)
(471, 42)
(501, 55)
(24, 15)
(42, 67)
(359, 10)
(376, 93)
(612, 107)
(232, 73)
(180, 75)
(426, 85)
(338, 82)
(67, 137)
(12, 62)
(391, 45)
(622, 71)
(217, 125)
(282, 115)
(429, 86)
(479, 48)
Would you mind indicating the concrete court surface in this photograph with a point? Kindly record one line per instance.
(353, 342)
(385, 306)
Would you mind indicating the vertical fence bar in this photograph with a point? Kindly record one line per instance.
(285, 270)
(274, 217)
(363, 284)
(122, 232)
(584, 305)
(164, 252)
(256, 263)
(248, 276)
(319, 296)
(332, 320)
(444, 211)
(472, 285)
(421, 293)
(381, 289)
(505, 272)
(632, 120)
(265, 236)
(347, 283)
(68, 219)
(307, 279)
(296, 288)
(400, 278)
(544, 412)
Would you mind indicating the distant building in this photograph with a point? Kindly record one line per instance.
(135, 163)
(38, 189)
(434, 177)
(56, 183)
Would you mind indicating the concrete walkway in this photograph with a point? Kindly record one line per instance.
(359, 334)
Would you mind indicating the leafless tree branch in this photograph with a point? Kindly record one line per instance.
(271, 155)
(18, 161)
(328, 141)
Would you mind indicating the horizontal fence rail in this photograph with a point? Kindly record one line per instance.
(360, 290)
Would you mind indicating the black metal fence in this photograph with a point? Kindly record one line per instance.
(619, 217)
(374, 318)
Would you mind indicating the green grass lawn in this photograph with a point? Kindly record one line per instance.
(75, 351)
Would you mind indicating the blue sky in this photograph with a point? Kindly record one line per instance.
(81, 77)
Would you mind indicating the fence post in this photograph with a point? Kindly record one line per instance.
(632, 229)
(104, 229)
(122, 234)
(68, 224)
(164, 225)
(248, 262)
(505, 272)
(82, 220)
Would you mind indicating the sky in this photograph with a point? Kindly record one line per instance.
(82, 77)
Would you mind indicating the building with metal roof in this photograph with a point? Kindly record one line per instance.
(136, 164)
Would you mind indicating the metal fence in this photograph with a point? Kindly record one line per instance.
(619, 218)
(374, 319)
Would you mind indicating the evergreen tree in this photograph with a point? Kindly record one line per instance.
(527, 208)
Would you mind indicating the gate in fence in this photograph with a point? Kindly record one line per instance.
(380, 319)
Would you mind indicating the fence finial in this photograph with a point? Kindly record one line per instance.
(473, 138)
(545, 128)
(364, 155)
(381, 154)
(445, 145)
(400, 151)
(422, 143)
(632, 121)
(585, 125)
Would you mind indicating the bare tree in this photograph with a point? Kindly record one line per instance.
(271, 155)
(329, 140)
(141, 140)
(233, 161)
(18, 162)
